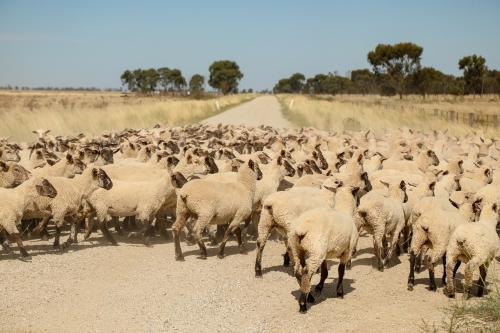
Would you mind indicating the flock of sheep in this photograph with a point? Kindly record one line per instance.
(434, 196)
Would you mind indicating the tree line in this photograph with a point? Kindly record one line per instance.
(224, 77)
(396, 70)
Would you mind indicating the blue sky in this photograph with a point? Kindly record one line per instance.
(91, 43)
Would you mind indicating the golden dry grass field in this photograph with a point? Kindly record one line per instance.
(379, 113)
(67, 112)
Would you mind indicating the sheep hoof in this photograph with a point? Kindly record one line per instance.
(258, 275)
(120, 232)
(132, 235)
(45, 237)
(466, 296)
(432, 288)
(410, 286)
(147, 241)
(243, 251)
(310, 298)
(25, 254)
(340, 295)
(203, 257)
(179, 258)
(303, 308)
(318, 290)
(6, 246)
(380, 268)
(220, 256)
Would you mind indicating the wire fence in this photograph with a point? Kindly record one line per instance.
(461, 118)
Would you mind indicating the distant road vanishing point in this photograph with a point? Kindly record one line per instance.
(263, 110)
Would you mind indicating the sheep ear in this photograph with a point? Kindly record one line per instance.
(360, 158)
(333, 189)
(495, 208)
(385, 184)
(251, 164)
(476, 206)
(35, 132)
(282, 153)
(354, 190)
(3, 166)
(292, 150)
(280, 160)
(413, 184)
(148, 149)
(69, 159)
(487, 173)
(432, 186)
(429, 153)
(454, 203)
(94, 172)
(329, 173)
(445, 172)
(189, 159)
(402, 185)
(115, 151)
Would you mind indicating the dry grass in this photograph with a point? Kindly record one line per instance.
(378, 114)
(75, 112)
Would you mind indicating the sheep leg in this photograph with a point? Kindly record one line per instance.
(482, 280)
(432, 280)
(305, 288)
(5, 242)
(340, 286)
(421, 257)
(449, 289)
(116, 224)
(88, 225)
(199, 240)
(73, 234)
(222, 245)
(378, 248)
(241, 247)
(264, 232)
(324, 275)
(411, 277)
(178, 225)
(105, 232)
(457, 265)
(19, 242)
(143, 231)
(41, 230)
(406, 238)
(287, 257)
(469, 271)
(57, 237)
(162, 226)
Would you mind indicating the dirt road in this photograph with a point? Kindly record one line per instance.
(263, 110)
(131, 288)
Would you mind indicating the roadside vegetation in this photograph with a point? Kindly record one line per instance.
(92, 112)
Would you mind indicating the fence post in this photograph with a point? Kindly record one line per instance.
(452, 115)
(436, 112)
(471, 119)
(495, 121)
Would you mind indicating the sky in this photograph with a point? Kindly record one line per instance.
(91, 43)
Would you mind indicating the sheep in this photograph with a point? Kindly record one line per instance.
(482, 177)
(281, 208)
(68, 167)
(41, 133)
(8, 154)
(423, 161)
(476, 245)
(383, 217)
(142, 199)
(71, 194)
(272, 177)
(320, 234)
(12, 175)
(216, 203)
(15, 201)
(433, 229)
(39, 158)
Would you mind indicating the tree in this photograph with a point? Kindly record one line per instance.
(283, 86)
(315, 83)
(128, 79)
(399, 61)
(151, 79)
(164, 77)
(474, 71)
(250, 91)
(196, 82)
(363, 79)
(224, 76)
(424, 78)
(178, 81)
(140, 80)
(296, 82)
(330, 85)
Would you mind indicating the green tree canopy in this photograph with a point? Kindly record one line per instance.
(128, 79)
(296, 82)
(225, 76)
(196, 82)
(151, 79)
(474, 72)
(177, 79)
(164, 77)
(399, 61)
(363, 80)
